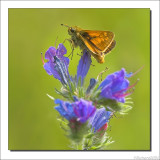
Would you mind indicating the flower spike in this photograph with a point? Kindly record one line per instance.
(57, 64)
(115, 86)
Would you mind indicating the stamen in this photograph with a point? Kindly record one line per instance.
(101, 73)
(125, 94)
(42, 58)
(137, 71)
(132, 85)
(127, 87)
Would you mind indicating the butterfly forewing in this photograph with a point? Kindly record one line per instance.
(97, 39)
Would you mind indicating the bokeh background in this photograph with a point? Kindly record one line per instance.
(33, 121)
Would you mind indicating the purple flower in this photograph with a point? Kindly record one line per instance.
(116, 85)
(100, 118)
(57, 64)
(80, 110)
(83, 66)
(65, 109)
(83, 110)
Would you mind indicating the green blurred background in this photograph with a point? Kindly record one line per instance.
(33, 122)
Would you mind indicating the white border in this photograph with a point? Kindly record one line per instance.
(153, 5)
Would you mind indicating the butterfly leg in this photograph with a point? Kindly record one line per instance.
(66, 40)
(72, 47)
(69, 40)
(71, 52)
(79, 54)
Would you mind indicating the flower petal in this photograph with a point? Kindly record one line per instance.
(83, 66)
(83, 110)
(65, 109)
(107, 80)
(100, 118)
(49, 67)
(62, 70)
(61, 50)
(114, 86)
(51, 52)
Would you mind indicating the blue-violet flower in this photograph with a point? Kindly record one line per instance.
(80, 110)
(65, 109)
(83, 110)
(57, 64)
(116, 85)
(99, 119)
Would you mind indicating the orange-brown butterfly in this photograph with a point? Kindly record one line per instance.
(98, 43)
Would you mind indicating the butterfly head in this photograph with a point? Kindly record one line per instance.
(71, 30)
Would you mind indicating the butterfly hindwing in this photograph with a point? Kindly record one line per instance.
(112, 45)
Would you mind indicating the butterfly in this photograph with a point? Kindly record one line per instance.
(97, 43)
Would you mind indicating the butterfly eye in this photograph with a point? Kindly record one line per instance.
(72, 30)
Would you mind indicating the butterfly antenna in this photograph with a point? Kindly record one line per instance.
(65, 25)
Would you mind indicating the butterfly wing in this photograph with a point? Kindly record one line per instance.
(111, 46)
(97, 41)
